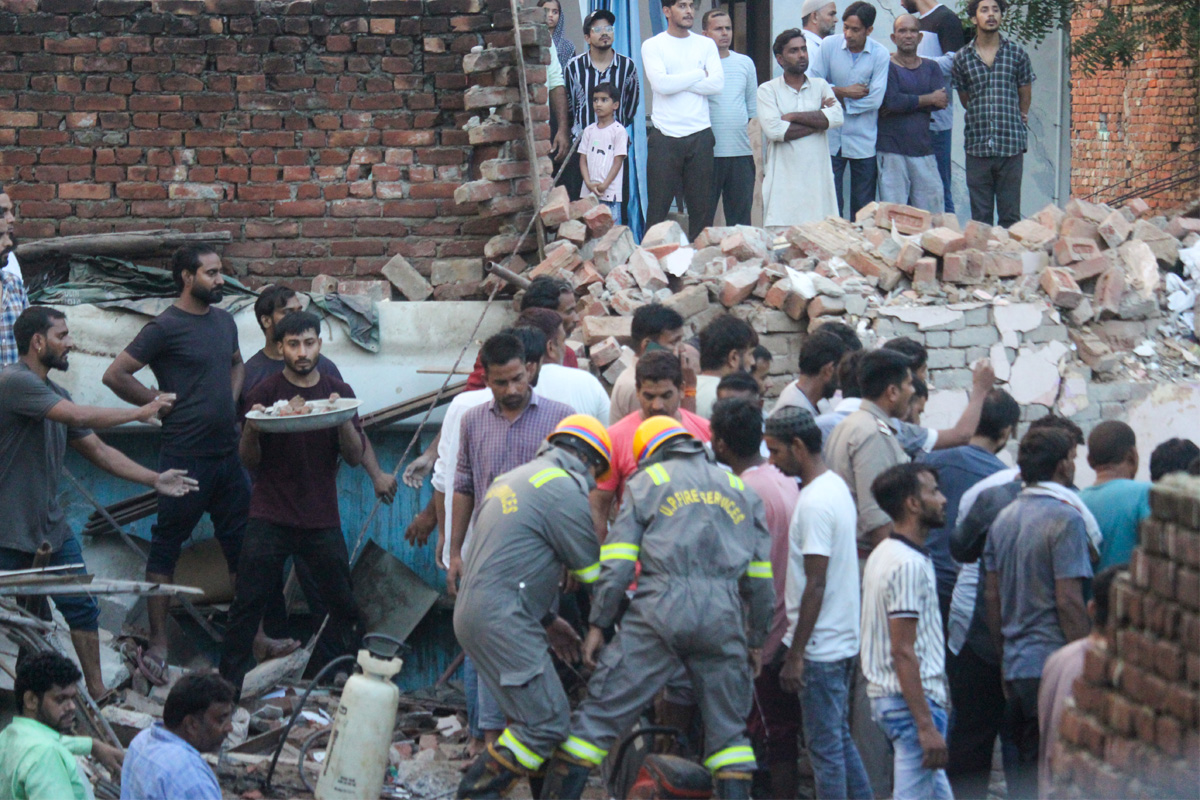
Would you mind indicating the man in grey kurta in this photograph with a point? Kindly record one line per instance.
(532, 521)
(702, 541)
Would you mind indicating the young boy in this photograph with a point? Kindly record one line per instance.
(602, 150)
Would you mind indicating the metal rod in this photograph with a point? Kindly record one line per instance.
(505, 273)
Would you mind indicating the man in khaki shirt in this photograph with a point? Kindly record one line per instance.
(864, 444)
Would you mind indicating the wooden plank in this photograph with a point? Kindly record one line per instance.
(410, 408)
(99, 587)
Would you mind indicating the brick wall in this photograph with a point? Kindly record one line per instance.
(1126, 121)
(1132, 730)
(326, 136)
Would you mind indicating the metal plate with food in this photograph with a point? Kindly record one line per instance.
(298, 415)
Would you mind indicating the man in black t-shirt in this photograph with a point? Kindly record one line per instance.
(294, 504)
(192, 349)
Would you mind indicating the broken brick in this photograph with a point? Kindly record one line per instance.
(1068, 250)
(1051, 216)
(646, 271)
(738, 245)
(795, 305)
(613, 248)
(977, 234)
(1115, 229)
(627, 301)
(1079, 228)
(903, 219)
(940, 241)
(689, 302)
(1094, 212)
(605, 352)
(736, 286)
(1094, 352)
(924, 276)
(586, 275)
(573, 231)
(777, 294)
(962, 269)
(599, 220)
(1005, 264)
(583, 205)
(825, 306)
(667, 232)
(1181, 226)
(1058, 283)
(557, 208)
(1032, 234)
(1138, 207)
(597, 329)
(1093, 267)
(563, 258)
(406, 278)
(906, 259)
(1110, 289)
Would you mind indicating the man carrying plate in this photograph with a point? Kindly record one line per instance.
(293, 505)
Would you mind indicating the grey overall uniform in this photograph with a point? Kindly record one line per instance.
(533, 520)
(702, 540)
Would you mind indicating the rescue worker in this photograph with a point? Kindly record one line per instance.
(534, 520)
(702, 541)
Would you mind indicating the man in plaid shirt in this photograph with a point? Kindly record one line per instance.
(994, 80)
(13, 301)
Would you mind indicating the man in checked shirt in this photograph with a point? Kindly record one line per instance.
(994, 80)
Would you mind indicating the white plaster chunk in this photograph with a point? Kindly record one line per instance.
(999, 358)
(1035, 376)
(924, 317)
(1016, 318)
(944, 408)
(1074, 397)
(678, 262)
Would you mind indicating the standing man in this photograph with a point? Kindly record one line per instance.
(192, 349)
(943, 36)
(9, 257)
(726, 345)
(797, 111)
(819, 358)
(684, 70)
(856, 66)
(994, 79)
(583, 73)
(165, 761)
(818, 20)
(730, 112)
(1118, 502)
(13, 299)
(710, 614)
(903, 649)
(652, 324)
(37, 422)
(533, 522)
(294, 502)
(908, 170)
(822, 605)
(737, 425)
(1036, 560)
(37, 752)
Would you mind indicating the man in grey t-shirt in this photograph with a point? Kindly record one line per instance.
(37, 421)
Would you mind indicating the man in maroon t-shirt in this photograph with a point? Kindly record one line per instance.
(293, 505)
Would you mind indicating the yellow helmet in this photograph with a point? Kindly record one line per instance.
(589, 430)
(652, 433)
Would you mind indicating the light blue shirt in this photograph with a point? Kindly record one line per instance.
(731, 110)
(837, 65)
(1119, 506)
(161, 766)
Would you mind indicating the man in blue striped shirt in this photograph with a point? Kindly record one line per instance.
(730, 112)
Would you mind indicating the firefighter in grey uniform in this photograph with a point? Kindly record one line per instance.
(534, 520)
(702, 541)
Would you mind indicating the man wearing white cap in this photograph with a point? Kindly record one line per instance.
(818, 19)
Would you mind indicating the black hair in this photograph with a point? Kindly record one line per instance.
(713, 12)
(791, 422)
(658, 365)
(545, 292)
(533, 341)
(920, 388)
(500, 349)
(1057, 423)
(864, 11)
(545, 320)
(843, 332)
(879, 369)
(194, 694)
(608, 89)
(1000, 411)
(739, 381)
(591, 18)
(1173, 455)
(270, 300)
(1101, 588)
(721, 337)
(819, 349)
(762, 353)
(781, 41)
(41, 672)
(973, 6)
(653, 319)
(847, 373)
(892, 487)
(669, 3)
(916, 352)
(1041, 451)
(738, 423)
(187, 259)
(1110, 442)
(300, 322)
(34, 320)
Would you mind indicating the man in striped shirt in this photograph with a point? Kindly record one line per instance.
(903, 656)
(583, 73)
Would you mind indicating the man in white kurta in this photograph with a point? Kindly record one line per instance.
(795, 112)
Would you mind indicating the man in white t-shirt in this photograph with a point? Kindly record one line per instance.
(683, 69)
(903, 647)
(822, 601)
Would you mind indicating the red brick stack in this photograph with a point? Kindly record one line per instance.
(1132, 731)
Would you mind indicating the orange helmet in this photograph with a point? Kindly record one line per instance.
(652, 433)
(589, 430)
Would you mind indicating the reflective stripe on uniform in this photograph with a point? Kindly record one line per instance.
(730, 755)
(529, 759)
(619, 552)
(760, 569)
(735, 482)
(547, 475)
(587, 574)
(658, 474)
(585, 751)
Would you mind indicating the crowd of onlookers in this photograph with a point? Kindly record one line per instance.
(842, 104)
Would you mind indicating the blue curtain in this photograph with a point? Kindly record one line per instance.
(627, 40)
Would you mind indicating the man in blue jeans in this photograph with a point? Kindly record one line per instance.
(903, 648)
(822, 602)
